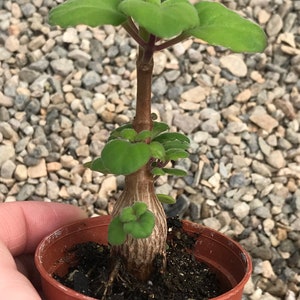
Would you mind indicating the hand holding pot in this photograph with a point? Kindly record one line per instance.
(22, 226)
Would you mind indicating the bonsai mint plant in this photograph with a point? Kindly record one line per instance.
(143, 149)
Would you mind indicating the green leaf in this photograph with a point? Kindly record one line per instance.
(127, 215)
(223, 27)
(88, 164)
(176, 145)
(123, 157)
(136, 220)
(158, 171)
(154, 1)
(143, 135)
(98, 165)
(171, 136)
(117, 133)
(139, 208)
(157, 150)
(141, 228)
(158, 128)
(166, 19)
(128, 134)
(174, 172)
(116, 233)
(88, 12)
(175, 154)
(166, 199)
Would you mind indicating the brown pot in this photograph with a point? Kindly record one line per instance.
(227, 258)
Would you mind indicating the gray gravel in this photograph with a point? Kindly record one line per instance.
(61, 92)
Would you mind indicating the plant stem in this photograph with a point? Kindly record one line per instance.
(138, 254)
(130, 27)
(171, 42)
(144, 67)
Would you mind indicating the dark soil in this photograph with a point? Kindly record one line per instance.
(185, 277)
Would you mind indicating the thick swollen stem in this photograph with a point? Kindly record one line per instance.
(138, 254)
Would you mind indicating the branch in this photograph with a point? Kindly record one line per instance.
(130, 27)
(172, 42)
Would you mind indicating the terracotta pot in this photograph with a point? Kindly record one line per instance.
(231, 263)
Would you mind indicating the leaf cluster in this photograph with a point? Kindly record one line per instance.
(127, 151)
(136, 220)
(175, 20)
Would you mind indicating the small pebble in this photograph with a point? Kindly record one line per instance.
(64, 90)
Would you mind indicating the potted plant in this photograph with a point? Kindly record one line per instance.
(144, 149)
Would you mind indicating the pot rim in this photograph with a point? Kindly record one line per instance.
(93, 222)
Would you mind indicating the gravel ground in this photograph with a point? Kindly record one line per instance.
(61, 92)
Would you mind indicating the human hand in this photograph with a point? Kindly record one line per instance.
(22, 227)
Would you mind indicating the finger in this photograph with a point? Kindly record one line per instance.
(24, 224)
(26, 265)
(13, 284)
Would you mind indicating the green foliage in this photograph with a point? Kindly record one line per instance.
(143, 135)
(121, 157)
(172, 136)
(88, 12)
(117, 133)
(175, 154)
(166, 199)
(157, 171)
(132, 213)
(127, 215)
(166, 19)
(209, 21)
(157, 150)
(223, 27)
(97, 165)
(136, 220)
(127, 151)
(139, 208)
(175, 145)
(169, 171)
(142, 227)
(128, 134)
(158, 128)
(174, 171)
(116, 233)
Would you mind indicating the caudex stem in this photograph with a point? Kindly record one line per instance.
(139, 254)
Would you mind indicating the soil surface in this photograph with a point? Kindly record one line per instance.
(185, 278)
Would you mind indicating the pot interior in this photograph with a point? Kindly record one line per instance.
(224, 256)
(227, 259)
